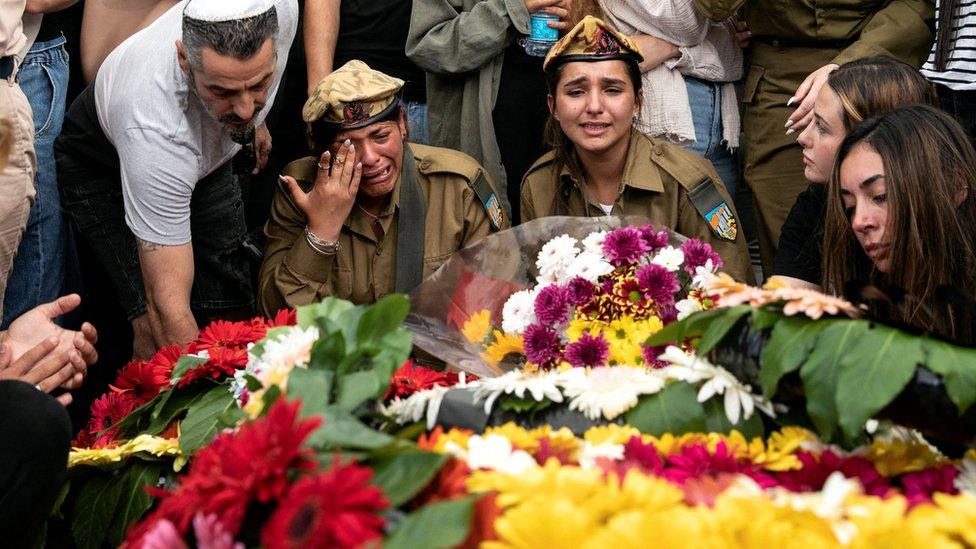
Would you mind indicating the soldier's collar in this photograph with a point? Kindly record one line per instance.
(640, 171)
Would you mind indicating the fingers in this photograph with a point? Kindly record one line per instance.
(72, 383)
(294, 191)
(85, 347)
(348, 165)
(5, 356)
(357, 176)
(90, 333)
(54, 370)
(30, 359)
(61, 306)
(65, 399)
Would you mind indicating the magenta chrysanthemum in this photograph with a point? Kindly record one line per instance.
(588, 350)
(552, 305)
(580, 291)
(625, 246)
(651, 354)
(541, 345)
(658, 283)
(656, 240)
(697, 253)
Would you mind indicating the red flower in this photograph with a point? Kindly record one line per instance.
(812, 476)
(921, 485)
(337, 508)
(222, 362)
(410, 378)
(547, 452)
(696, 461)
(222, 333)
(167, 357)
(644, 457)
(107, 411)
(141, 380)
(236, 469)
(284, 317)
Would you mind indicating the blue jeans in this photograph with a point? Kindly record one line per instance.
(417, 119)
(706, 113)
(39, 268)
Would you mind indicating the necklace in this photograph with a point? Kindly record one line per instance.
(376, 218)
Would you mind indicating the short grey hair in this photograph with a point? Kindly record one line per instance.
(237, 38)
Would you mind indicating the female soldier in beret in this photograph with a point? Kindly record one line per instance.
(370, 214)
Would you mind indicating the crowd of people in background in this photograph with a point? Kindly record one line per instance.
(178, 161)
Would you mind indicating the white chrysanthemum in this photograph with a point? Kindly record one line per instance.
(593, 243)
(417, 406)
(588, 265)
(670, 258)
(290, 349)
(496, 453)
(966, 479)
(557, 254)
(519, 312)
(610, 391)
(687, 306)
(589, 453)
(539, 386)
(739, 401)
(703, 275)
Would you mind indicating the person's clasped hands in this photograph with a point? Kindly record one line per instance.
(35, 350)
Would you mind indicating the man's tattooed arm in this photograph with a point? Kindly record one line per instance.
(147, 246)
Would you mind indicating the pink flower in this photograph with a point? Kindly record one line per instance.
(580, 291)
(541, 345)
(812, 476)
(921, 485)
(625, 246)
(696, 461)
(588, 351)
(658, 283)
(552, 305)
(656, 240)
(651, 354)
(162, 535)
(697, 254)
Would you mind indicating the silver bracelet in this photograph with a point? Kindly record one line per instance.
(323, 247)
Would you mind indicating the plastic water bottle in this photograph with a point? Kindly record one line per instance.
(543, 36)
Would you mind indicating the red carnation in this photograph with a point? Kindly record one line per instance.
(337, 508)
(222, 362)
(696, 461)
(227, 334)
(252, 464)
(107, 411)
(814, 472)
(141, 380)
(410, 378)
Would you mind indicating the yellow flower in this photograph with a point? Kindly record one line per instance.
(552, 479)
(564, 440)
(757, 522)
(552, 522)
(477, 326)
(875, 518)
(612, 433)
(518, 436)
(579, 326)
(677, 527)
(149, 444)
(779, 452)
(897, 456)
(503, 345)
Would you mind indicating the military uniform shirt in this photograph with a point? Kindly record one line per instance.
(655, 184)
(364, 269)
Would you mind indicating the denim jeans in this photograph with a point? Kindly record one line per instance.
(38, 271)
(706, 113)
(417, 119)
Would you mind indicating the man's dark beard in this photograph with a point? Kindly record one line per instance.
(238, 134)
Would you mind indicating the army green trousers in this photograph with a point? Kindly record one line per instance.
(773, 161)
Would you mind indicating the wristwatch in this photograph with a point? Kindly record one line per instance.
(321, 246)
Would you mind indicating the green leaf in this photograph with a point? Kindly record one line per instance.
(203, 419)
(385, 316)
(133, 499)
(821, 370)
(312, 387)
(713, 332)
(763, 319)
(872, 374)
(93, 510)
(404, 475)
(175, 403)
(674, 410)
(355, 388)
(342, 430)
(956, 366)
(670, 334)
(442, 524)
(184, 365)
(328, 352)
(271, 395)
(526, 405)
(717, 422)
(788, 346)
(330, 308)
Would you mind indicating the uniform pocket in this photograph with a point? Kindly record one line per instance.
(752, 83)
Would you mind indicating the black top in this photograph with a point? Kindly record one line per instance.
(519, 117)
(375, 32)
(52, 25)
(800, 251)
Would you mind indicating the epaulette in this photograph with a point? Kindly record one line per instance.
(431, 160)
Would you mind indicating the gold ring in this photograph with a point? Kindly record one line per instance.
(321, 167)
(337, 162)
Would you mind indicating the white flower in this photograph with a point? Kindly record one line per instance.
(539, 386)
(686, 307)
(966, 479)
(588, 265)
(703, 275)
(557, 254)
(519, 312)
(589, 453)
(416, 406)
(593, 243)
(290, 349)
(828, 504)
(670, 258)
(610, 391)
(495, 452)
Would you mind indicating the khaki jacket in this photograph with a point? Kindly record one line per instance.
(860, 28)
(656, 183)
(364, 270)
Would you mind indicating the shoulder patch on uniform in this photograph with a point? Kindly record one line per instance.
(432, 160)
(489, 200)
(714, 209)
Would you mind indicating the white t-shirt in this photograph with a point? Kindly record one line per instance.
(165, 138)
(607, 208)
